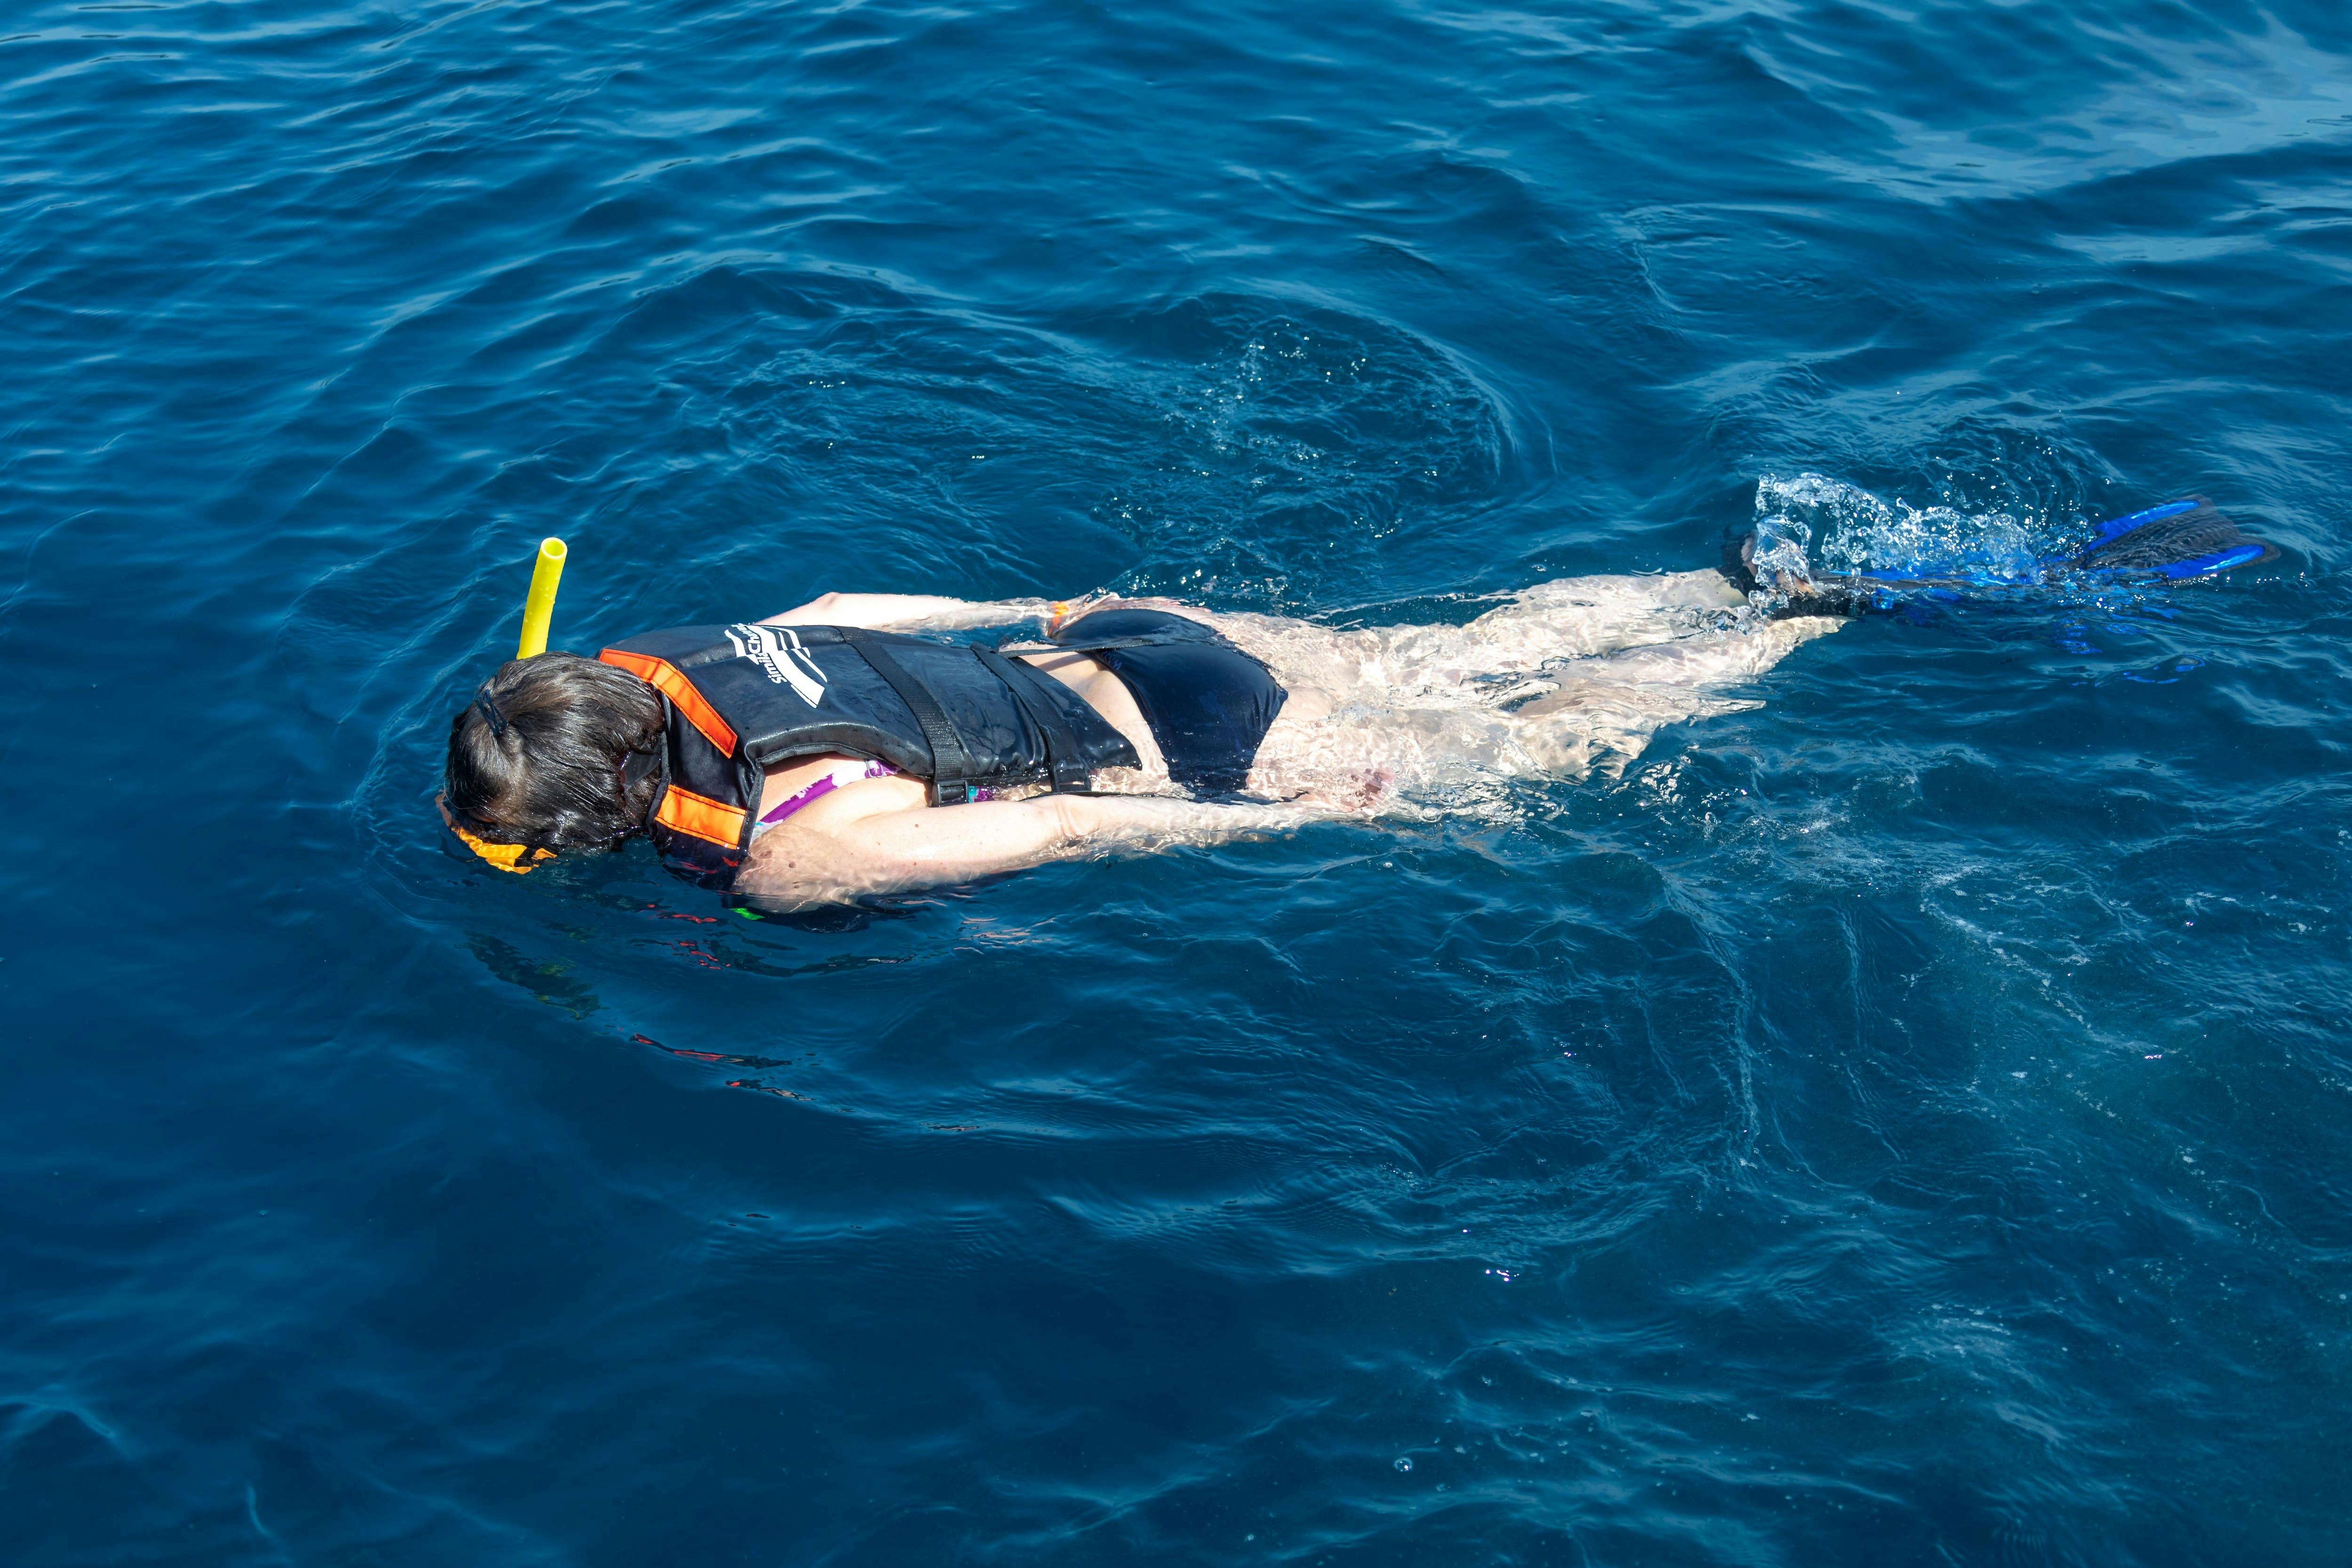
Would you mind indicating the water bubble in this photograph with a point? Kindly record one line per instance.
(1403, 1464)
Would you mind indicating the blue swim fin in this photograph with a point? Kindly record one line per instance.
(2177, 542)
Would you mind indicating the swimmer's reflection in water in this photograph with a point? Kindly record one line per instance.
(822, 754)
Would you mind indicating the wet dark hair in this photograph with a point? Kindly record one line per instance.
(555, 752)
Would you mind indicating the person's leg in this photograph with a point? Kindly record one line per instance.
(1586, 615)
(1713, 658)
(1617, 704)
(1427, 746)
(1574, 617)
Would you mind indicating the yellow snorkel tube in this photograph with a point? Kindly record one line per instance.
(539, 604)
(537, 610)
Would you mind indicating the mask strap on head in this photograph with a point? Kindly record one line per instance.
(638, 766)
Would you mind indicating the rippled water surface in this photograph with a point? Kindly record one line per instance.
(1909, 1121)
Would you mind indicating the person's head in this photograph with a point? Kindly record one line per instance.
(554, 753)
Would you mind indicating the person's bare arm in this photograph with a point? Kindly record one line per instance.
(851, 850)
(882, 612)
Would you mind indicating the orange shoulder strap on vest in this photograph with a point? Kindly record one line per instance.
(671, 682)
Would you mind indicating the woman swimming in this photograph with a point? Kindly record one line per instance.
(825, 754)
(821, 753)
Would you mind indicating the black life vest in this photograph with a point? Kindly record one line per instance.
(741, 700)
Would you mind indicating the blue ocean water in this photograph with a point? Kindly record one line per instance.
(1909, 1123)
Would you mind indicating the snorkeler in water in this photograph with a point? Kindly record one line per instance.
(827, 752)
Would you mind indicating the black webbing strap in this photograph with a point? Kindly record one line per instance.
(1064, 762)
(950, 768)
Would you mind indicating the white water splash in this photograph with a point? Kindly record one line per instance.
(1809, 522)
